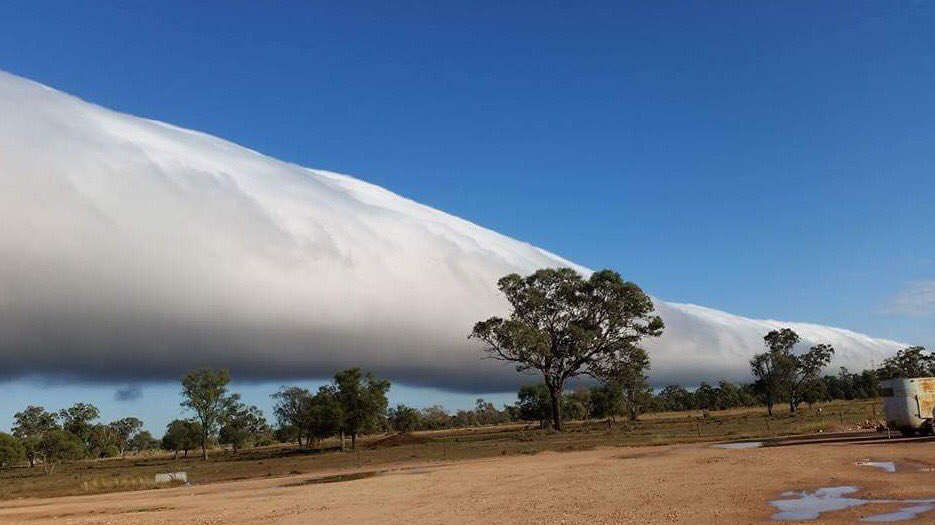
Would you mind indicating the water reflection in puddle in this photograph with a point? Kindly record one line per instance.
(739, 445)
(810, 505)
(886, 466)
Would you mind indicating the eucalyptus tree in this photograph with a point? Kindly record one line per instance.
(563, 325)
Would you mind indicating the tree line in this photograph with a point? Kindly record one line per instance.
(561, 325)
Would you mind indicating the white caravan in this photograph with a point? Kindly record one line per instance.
(909, 404)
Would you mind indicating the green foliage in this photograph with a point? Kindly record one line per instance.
(33, 421)
(534, 403)
(59, 446)
(182, 435)
(103, 441)
(563, 325)
(243, 425)
(124, 430)
(435, 417)
(674, 398)
(403, 418)
(29, 426)
(846, 385)
(326, 412)
(910, 362)
(143, 441)
(12, 451)
(79, 420)
(205, 392)
(774, 368)
(362, 399)
(291, 408)
(299, 413)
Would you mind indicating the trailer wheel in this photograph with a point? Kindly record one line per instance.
(907, 432)
(926, 429)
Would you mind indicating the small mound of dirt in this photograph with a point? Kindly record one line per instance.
(399, 439)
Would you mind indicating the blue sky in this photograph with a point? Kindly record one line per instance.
(768, 159)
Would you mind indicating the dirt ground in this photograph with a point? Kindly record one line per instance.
(668, 484)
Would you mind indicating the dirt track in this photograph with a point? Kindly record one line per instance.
(675, 484)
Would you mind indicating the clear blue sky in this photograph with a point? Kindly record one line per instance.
(768, 159)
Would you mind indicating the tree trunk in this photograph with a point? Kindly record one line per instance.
(555, 393)
(343, 444)
(354, 441)
(769, 405)
(204, 446)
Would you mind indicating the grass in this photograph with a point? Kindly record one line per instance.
(137, 472)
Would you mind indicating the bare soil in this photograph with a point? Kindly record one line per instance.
(691, 483)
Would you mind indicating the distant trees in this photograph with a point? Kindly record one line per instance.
(143, 441)
(847, 385)
(205, 392)
(563, 325)
(914, 361)
(403, 418)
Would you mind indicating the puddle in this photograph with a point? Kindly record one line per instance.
(886, 466)
(799, 506)
(334, 479)
(810, 505)
(739, 445)
(903, 514)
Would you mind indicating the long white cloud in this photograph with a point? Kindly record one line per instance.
(130, 249)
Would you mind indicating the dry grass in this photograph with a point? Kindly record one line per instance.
(136, 473)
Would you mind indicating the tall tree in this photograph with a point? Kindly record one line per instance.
(243, 425)
(806, 374)
(362, 398)
(79, 420)
(124, 430)
(30, 425)
(774, 368)
(291, 407)
(564, 325)
(205, 392)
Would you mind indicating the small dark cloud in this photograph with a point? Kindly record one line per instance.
(128, 393)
